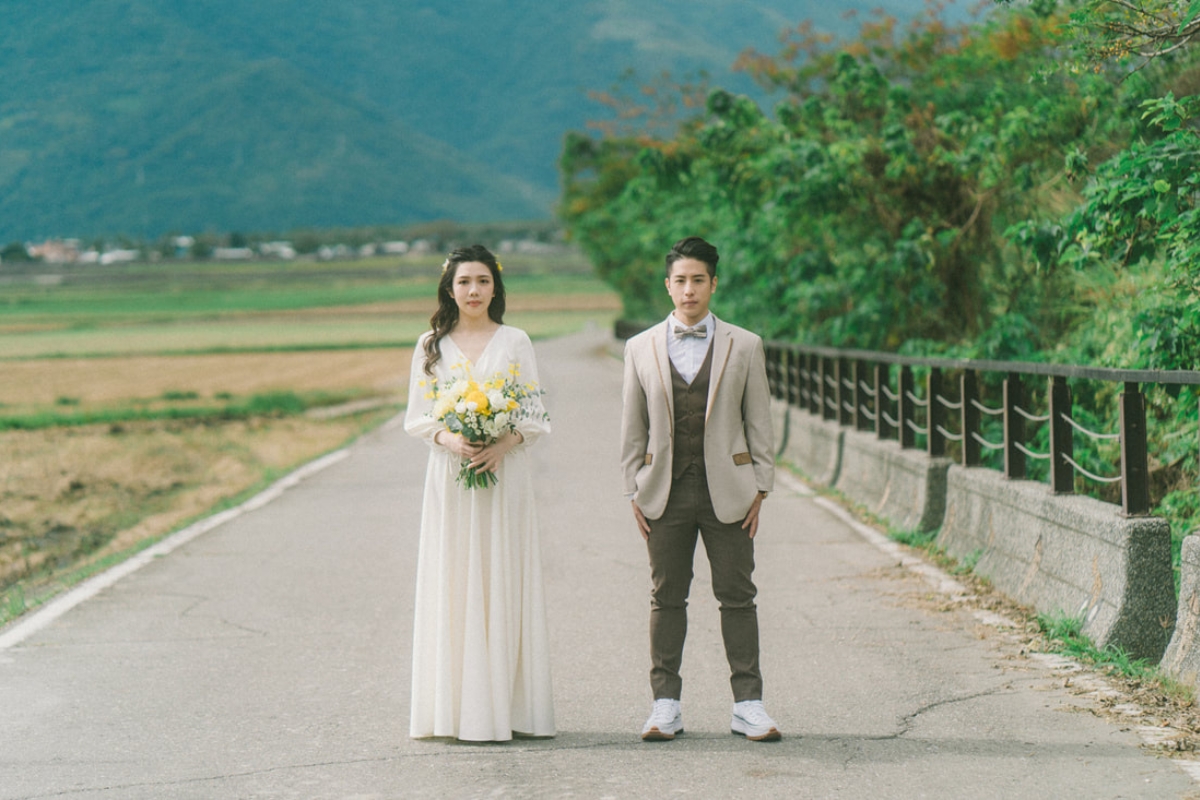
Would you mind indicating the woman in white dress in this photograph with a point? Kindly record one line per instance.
(481, 659)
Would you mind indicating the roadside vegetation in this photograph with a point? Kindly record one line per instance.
(1022, 187)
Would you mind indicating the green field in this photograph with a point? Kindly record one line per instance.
(188, 308)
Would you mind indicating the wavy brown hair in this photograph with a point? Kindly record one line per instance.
(446, 316)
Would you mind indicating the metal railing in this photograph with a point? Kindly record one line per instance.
(876, 391)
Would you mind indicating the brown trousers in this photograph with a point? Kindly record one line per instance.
(730, 550)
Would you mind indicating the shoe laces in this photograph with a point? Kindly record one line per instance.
(664, 711)
(754, 713)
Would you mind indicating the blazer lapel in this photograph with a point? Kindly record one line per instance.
(722, 349)
(662, 361)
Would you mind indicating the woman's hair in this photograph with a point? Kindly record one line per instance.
(697, 248)
(446, 316)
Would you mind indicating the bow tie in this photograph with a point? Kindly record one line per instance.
(697, 332)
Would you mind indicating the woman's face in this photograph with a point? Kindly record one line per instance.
(473, 289)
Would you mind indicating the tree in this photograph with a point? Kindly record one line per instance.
(15, 252)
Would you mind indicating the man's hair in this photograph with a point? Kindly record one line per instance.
(697, 248)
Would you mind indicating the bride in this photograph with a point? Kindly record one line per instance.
(481, 659)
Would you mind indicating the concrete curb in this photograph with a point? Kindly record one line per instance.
(1065, 554)
(813, 445)
(1182, 659)
(905, 487)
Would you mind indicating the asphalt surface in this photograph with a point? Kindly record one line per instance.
(268, 657)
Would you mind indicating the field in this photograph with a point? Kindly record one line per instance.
(136, 398)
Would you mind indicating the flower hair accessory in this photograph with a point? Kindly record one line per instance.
(446, 265)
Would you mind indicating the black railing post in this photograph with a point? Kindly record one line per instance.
(905, 408)
(781, 374)
(883, 429)
(1014, 427)
(816, 389)
(800, 378)
(845, 416)
(1135, 471)
(862, 422)
(936, 416)
(799, 366)
(785, 375)
(1062, 441)
(972, 455)
(823, 376)
(772, 356)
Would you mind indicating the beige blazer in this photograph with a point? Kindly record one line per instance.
(739, 453)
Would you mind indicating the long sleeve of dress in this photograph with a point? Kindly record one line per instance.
(536, 424)
(417, 421)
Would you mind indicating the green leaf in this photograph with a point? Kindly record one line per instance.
(1192, 11)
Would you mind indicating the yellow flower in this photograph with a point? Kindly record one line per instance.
(479, 399)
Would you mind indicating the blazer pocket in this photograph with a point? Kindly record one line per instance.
(742, 459)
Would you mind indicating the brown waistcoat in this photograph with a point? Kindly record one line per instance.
(691, 403)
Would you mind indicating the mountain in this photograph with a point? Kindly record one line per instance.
(143, 117)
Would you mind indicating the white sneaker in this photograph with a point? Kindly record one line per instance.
(751, 720)
(665, 721)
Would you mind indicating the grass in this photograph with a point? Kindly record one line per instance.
(178, 292)
(277, 403)
(1066, 637)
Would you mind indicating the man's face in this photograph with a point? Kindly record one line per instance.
(690, 289)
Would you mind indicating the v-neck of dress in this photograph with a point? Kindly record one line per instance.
(475, 361)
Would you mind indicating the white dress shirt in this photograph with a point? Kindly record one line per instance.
(688, 354)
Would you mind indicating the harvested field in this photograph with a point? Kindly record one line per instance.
(381, 371)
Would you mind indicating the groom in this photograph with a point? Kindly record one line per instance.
(697, 453)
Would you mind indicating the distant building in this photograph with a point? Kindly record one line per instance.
(119, 256)
(55, 251)
(232, 253)
(283, 250)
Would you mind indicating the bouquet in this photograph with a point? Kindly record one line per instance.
(482, 412)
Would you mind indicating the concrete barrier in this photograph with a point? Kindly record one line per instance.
(813, 445)
(1182, 659)
(1065, 554)
(906, 488)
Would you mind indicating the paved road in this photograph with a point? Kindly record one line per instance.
(268, 658)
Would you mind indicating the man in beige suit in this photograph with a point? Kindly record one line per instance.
(697, 453)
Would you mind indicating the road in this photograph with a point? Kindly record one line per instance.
(268, 657)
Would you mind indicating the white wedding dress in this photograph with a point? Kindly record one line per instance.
(481, 659)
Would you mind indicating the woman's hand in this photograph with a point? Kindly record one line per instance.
(459, 445)
(488, 459)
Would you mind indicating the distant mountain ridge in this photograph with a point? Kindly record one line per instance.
(143, 118)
